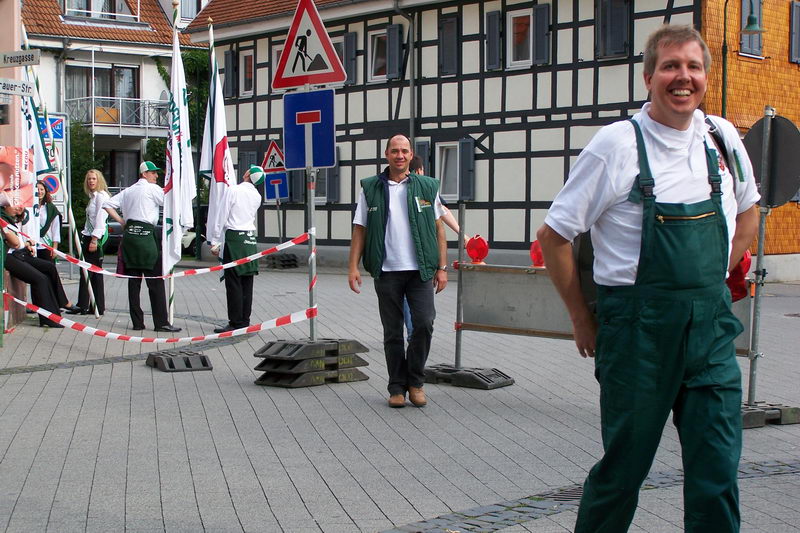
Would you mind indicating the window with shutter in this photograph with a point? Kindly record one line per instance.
(494, 48)
(541, 34)
(448, 45)
(229, 84)
(751, 44)
(377, 56)
(247, 73)
(466, 169)
(394, 51)
(612, 21)
(350, 51)
(519, 41)
(447, 170)
(794, 35)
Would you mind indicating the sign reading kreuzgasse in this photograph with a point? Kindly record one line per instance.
(20, 58)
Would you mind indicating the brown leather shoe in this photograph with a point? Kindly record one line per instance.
(397, 400)
(417, 396)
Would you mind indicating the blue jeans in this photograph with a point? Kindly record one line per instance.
(406, 366)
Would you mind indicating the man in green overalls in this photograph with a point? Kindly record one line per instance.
(668, 219)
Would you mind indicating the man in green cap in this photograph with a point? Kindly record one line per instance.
(669, 197)
(239, 208)
(141, 249)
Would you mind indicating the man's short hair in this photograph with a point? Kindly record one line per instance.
(668, 35)
(398, 135)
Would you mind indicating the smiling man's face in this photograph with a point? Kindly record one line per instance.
(677, 85)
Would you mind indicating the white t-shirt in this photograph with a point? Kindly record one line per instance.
(596, 194)
(96, 216)
(400, 252)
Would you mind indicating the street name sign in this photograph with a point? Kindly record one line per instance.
(17, 87)
(19, 58)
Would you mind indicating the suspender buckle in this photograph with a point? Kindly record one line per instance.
(647, 191)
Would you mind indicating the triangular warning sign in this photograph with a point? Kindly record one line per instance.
(273, 159)
(308, 55)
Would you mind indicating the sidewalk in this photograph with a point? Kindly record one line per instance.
(90, 441)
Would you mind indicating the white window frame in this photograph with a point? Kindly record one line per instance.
(277, 50)
(370, 39)
(243, 55)
(340, 42)
(440, 168)
(510, 62)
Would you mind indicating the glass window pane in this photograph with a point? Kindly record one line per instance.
(102, 81)
(521, 49)
(77, 82)
(379, 55)
(247, 73)
(448, 174)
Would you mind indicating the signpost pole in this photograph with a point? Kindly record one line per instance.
(311, 178)
(278, 210)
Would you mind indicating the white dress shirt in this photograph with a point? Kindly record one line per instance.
(239, 209)
(96, 216)
(139, 202)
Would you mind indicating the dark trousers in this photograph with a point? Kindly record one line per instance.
(158, 296)
(239, 295)
(36, 273)
(95, 258)
(406, 366)
(44, 255)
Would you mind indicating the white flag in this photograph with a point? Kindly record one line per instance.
(32, 143)
(180, 188)
(215, 159)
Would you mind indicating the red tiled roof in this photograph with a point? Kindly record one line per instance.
(231, 12)
(43, 17)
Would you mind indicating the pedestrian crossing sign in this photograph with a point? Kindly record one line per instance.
(308, 56)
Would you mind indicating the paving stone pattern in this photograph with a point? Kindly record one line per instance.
(91, 439)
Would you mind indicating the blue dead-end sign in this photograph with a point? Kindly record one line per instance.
(309, 130)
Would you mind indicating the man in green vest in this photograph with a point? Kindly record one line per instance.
(398, 232)
(669, 217)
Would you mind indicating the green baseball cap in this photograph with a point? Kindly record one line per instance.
(147, 166)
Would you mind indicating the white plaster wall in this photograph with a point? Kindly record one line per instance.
(548, 139)
(613, 84)
(450, 97)
(262, 81)
(294, 222)
(586, 86)
(470, 22)
(429, 106)
(339, 106)
(547, 178)
(377, 108)
(509, 180)
(365, 150)
(543, 92)
(537, 219)
(245, 116)
(581, 135)
(404, 103)
(276, 114)
(430, 25)
(518, 92)
(492, 88)
(342, 225)
(262, 115)
(586, 43)
(470, 103)
(48, 83)
(429, 67)
(509, 225)
(230, 117)
(481, 180)
(477, 222)
(586, 9)
(639, 89)
(344, 183)
(509, 141)
(642, 28)
(471, 57)
(321, 222)
(564, 88)
(564, 46)
(685, 18)
(355, 107)
(565, 12)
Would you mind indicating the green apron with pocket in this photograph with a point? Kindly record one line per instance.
(240, 244)
(665, 344)
(139, 246)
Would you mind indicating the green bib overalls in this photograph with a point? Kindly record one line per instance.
(666, 344)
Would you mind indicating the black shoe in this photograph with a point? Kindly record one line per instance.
(75, 310)
(223, 329)
(54, 326)
(168, 328)
(137, 328)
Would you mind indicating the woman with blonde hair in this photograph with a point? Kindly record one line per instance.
(93, 237)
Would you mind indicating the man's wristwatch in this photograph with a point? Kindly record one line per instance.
(443, 268)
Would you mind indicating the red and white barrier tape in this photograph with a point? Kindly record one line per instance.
(189, 272)
(292, 318)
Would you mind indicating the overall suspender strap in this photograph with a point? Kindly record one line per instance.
(644, 183)
(714, 178)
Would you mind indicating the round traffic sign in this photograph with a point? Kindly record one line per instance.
(51, 183)
(783, 179)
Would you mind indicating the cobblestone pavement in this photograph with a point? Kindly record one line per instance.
(91, 439)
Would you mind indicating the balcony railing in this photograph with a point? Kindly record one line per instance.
(108, 111)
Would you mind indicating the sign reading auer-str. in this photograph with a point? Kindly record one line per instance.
(20, 58)
(18, 87)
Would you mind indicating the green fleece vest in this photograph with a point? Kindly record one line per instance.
(422, 192)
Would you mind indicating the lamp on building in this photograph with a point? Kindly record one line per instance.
(751, 28)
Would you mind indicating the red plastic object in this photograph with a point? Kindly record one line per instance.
(477, 249)
(736, 279)
(536, 254)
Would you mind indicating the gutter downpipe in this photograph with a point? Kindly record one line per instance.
(412, 65)
(61, 76)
